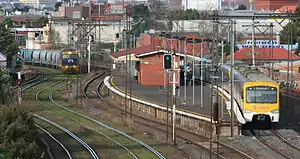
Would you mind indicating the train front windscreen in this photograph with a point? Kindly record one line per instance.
(261, 94)
(69, 60)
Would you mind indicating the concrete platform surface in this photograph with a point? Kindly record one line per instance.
(154, 94)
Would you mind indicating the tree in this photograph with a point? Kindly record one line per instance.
(8, 47)
(241, 7)
(18, 134)
(5, 87)
(42, 22)
(57, 5)
(291, 32)
(8, 22)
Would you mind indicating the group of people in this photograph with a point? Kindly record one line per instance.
(189, 74)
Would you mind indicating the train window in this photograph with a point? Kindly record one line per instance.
(261, 94)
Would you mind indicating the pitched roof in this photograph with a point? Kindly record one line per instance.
(136, 51)
(2, 58)
(291, 8)
(264, 54)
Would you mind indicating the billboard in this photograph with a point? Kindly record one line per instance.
(267, 44)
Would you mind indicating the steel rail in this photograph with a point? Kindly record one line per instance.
(278, 135)
(111, 128)
(222, 144)
(53, 138)
(83, 143)
(269, 146)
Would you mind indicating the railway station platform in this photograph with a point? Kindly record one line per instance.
(155, 95)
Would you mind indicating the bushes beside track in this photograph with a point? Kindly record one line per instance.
(18, 135)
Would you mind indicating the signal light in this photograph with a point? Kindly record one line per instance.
(168, 61)
(19, 82)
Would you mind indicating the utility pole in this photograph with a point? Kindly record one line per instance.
(222, 76)
(201, 78)
(193, 72)
(232, 23)
(179, 51)
(126, 63)
(253, 43)
(185, 71)
(89, 53)
(19, 89)
(174, 95)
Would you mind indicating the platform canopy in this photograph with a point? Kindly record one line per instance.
(2, 61)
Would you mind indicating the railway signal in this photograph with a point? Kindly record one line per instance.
(17, 63)
(19, 82)
(167, 61)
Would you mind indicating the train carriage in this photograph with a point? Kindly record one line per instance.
(256, 94)
(36, 56)
(66, 60)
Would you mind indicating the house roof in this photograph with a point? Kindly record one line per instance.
(291, 8)
(136, 51)
(2, 58)
(264, 54)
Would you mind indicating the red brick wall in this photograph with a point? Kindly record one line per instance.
(145, 40)
(273, 4)
(152, 73)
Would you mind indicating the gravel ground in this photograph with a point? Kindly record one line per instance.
(183, 149)
(252, 147)
(150, 137)
(290, 135)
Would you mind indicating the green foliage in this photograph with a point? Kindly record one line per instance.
(8, 22)
(5, 87)
(226, 49)
(18, 134)
(291, 31)
(8, 47)
(57, 5)
(42, 22)
(241, 7)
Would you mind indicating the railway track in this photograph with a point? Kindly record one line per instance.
(85, 93)
(197, 140)
(56, 140)
(273, 141)
(83, 143)
(74, 117)
(66, 131)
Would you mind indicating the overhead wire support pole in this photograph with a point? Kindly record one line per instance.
(126, 60)
(253, 43)
(193, 72)
(201, 78)
(232, 23)
(214, 78)
(185, 61)
(179, 52)
(174, 95)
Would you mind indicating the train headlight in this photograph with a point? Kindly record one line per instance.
(66, 66)
(247, 111)
(74, 66)
(276, 111)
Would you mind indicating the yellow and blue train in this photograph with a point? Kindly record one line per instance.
(67, 60)
(256, 94)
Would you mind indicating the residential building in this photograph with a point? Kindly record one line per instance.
(39, 3)
(202, 5)
(274, 4)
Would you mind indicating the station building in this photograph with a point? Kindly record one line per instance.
(147, 59)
